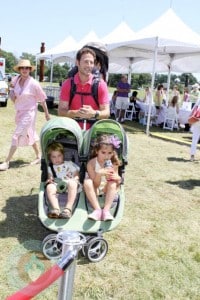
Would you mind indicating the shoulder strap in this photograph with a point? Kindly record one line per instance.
(94, 90)
(72, 90)
(52, 170)
(95, 86)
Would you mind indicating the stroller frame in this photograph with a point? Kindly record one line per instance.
(68, 132)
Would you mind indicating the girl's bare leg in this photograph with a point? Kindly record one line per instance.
(90, 193)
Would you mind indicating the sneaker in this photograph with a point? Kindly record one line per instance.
(4, 166)
(192, 158)
(95, 215)
(117, 119)
(106, 216)
(122, 120)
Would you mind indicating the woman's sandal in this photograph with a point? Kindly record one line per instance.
(66, 213)
(54, 213)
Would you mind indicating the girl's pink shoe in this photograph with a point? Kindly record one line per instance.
(95, 215)
(106, 216)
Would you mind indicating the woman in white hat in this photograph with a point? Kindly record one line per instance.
(25, 92)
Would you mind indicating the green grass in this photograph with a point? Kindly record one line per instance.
(154, 253)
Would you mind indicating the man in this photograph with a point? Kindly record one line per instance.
(83, 105)
(122, 101)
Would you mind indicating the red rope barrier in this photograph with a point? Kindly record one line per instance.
(38, 285)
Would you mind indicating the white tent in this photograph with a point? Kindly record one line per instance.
(90, 37)
(121, 33)
(170, 36)
(167, 39)
(66, 50)
(58, 53)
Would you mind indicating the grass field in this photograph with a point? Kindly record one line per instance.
(154, 253)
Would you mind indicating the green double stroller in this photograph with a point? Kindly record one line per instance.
(77, 147)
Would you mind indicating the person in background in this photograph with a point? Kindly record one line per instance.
(134, 99)
(195, 129)
(25, 93)
(148, 96)
(122, 101)
(83, 104)
(195, 94)
(101, 180)
(66, 171)
(175, 92)
(112, 103)
(159, 96)
(174, 104)
(186, 95)
(161, 114)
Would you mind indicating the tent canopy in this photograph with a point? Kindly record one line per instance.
(166, 39)
(58, 53)
(172, 39)
(121, 33)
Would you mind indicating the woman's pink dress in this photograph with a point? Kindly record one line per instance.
(26, 104)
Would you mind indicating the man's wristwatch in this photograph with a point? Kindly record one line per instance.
(97, 114)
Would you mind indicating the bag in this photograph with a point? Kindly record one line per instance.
(195, 116)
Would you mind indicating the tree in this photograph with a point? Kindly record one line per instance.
(59, 72)
(11, 61)
(28, 56)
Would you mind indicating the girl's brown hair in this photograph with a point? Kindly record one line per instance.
(174, 101)
(107, 140)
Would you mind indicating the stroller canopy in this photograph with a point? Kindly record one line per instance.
(61, 127)
(106, 126)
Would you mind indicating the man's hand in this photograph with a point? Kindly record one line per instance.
(86, 112)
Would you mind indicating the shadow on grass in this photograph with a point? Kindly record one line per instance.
(19, 164)
(178, 159)
(22, 223)
(189, 184)
(22, 220)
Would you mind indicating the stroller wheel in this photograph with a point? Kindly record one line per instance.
(96, 249)
(85, 246)
(51, 248)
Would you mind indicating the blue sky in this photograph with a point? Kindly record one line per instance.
(25, 24)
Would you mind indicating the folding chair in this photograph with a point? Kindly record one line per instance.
(171, 119)
(130, 113)
(144, 114)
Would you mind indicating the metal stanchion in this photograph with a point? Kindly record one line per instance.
(72, 241)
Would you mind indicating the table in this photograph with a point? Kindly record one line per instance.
(183, 116)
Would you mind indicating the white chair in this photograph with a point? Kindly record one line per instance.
(130, 113)
(144, 114)
(187, 105)
(171, 119)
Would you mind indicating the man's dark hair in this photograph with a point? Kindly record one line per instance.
(83, 51)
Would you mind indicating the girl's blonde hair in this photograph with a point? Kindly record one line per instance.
(110, 140)
(55, 146)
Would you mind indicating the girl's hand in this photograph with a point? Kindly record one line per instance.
(50, 180)
(110, 174)
(114, 177)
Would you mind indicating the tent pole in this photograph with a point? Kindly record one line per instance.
(169, 76)
(152, 85)
(130, 69)
(51, 74)
(168, 83)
